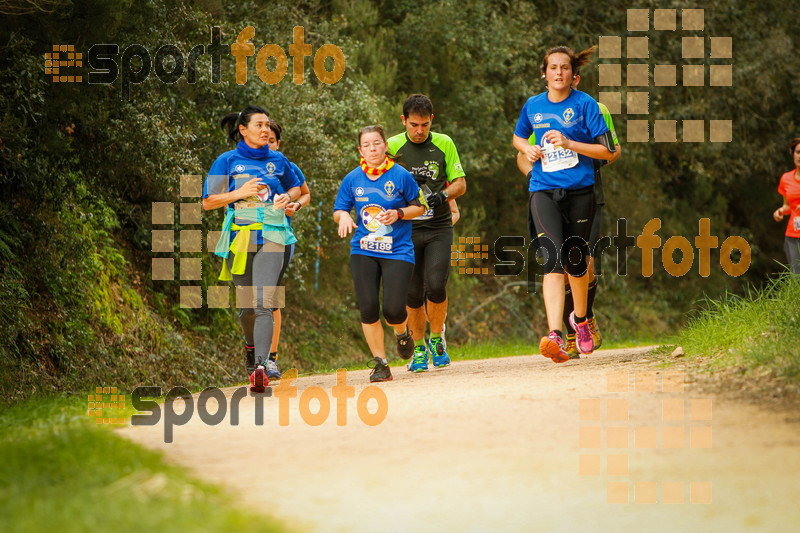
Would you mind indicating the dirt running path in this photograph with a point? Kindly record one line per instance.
(495, 445)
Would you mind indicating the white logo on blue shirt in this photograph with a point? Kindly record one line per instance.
(239, 168)
(359, 191)
(537, 117)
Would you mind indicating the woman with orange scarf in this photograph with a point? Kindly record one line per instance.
(385, 197)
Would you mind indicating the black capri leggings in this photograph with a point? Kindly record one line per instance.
(367, 272)
(262, 274)
(562, 220)
(432, 249)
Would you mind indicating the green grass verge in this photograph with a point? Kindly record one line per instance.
(61, 473)
(760, 330)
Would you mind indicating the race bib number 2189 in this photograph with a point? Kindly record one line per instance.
(374, 243)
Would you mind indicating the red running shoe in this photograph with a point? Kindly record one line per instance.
(552, 347)
(259, 380)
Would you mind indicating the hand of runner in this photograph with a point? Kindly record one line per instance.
(533, 153)
(250, 188)
(280, 201)
(558, 139)
(435, 200)
(778, 214)
(346, 225)
(292, 208)
(388, 217)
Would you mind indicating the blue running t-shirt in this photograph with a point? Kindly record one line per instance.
(236, 167)
(578, 118)
(394, 189)
(301, 177)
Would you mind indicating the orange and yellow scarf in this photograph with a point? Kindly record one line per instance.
(386, 165)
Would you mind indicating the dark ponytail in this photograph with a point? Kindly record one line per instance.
(230, 122)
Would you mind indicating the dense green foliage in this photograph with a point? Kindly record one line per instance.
(80, 167)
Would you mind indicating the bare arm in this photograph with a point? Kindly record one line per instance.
(305, 195)
(531, 152)
(456, 188)
(523, 164)
(413, 211)
(526, 166)
(215, 201)
(595, 151)
(455, 214)
(391, 216)
(303, 200)
(782, 210)
(616, 153)
(345, 221)
(280, 201)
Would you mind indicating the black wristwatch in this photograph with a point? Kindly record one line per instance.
(399, 213)
(444, 193)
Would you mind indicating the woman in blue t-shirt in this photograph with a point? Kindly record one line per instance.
(385, 197)
(556, 131)
(274, 141)
(246, 182)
